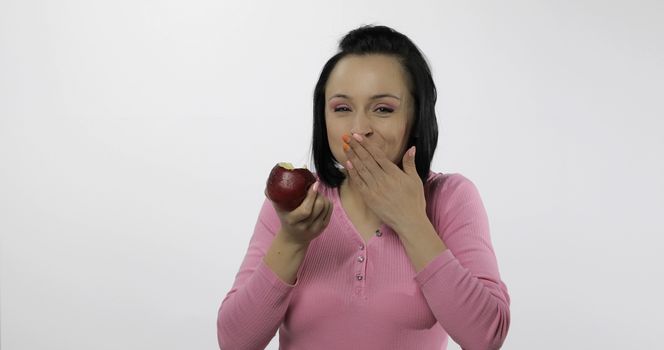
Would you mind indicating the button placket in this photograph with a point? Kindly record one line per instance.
(361, 272)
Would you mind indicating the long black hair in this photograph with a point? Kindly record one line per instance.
(366, 40)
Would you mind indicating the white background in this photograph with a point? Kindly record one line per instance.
(136, 138)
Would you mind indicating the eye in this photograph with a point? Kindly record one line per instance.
(341, 109)
(385, 109)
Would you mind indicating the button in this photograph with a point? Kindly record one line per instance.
(359, 277)
(378, 233)
(360, 259)
(361, 246)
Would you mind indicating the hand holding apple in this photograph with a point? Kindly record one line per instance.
(310, 216)
(287, 187)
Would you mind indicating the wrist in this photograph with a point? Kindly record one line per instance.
(413, 224)
(286, 240)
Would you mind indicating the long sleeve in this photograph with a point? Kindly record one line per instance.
(254, 308)
(462, 285)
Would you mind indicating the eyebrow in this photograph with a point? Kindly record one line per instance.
(372, 97)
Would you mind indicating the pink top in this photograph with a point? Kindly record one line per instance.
(349, 295)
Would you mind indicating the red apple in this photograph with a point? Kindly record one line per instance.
(287, 187)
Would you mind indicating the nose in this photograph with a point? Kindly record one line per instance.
(361, 125)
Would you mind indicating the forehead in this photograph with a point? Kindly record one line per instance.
(363, 76)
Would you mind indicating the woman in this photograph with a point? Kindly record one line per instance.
(383, 253)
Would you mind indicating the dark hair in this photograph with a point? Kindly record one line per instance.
(366, 40)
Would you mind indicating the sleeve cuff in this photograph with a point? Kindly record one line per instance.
(434, 265)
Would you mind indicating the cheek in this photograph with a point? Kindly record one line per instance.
(336, 146)
(334, 134)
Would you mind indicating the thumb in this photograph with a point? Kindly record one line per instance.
(408, 162)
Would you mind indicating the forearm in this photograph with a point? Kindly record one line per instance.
(476, 318)
(251, 314)
(474, 311)
(421, 242)
(285, 257)
(461, 284)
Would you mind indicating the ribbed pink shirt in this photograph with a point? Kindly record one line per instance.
(352, 295)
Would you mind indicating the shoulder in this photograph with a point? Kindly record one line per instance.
(446, 183)
(446, 191)
(453, 199)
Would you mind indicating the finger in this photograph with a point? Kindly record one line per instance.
(325, 219)
(377, 154)
(362, 161)
(328, 217)
(328, 214)
(362, 152)
(355, 179)
(306, 207)
(319, 209)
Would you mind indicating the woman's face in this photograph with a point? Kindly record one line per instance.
(369, 95)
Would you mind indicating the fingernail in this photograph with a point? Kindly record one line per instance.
(346, 138)
(316, 186)
(346, 147)
(357, 137)
(412, 151)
